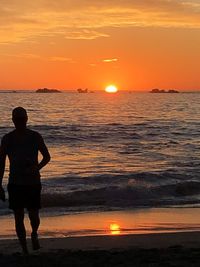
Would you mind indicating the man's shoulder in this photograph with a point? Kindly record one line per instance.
(34, 133)
(8, 135)
(7, 138)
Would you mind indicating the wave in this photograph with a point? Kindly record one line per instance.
(118, 192)
(131, 196)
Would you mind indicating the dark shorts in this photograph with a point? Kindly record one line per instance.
(23, 196)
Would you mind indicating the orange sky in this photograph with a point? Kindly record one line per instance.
(135, 44)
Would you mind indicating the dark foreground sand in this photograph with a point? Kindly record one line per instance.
(171, 249)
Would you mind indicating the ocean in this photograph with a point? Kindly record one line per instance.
(113, 152)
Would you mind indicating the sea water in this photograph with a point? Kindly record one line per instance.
(113, 151)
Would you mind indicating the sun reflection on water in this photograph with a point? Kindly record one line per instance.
(115, 229)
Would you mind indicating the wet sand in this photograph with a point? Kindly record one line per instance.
(154, 237)
(138, 221)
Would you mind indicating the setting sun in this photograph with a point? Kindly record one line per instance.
(111, 89)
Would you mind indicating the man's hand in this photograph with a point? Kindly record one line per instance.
(2, 194)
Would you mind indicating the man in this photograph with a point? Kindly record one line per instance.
(24, 186)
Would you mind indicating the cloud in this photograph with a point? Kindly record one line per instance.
(23, 55)
(92, 65)
(61, 59)
(110, 60)
(39, 57)
(23, 20)
(28, 56)
(84, 34)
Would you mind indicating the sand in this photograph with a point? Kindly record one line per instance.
(162, 249)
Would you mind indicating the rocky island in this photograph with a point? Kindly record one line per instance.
(158, 91)
(82, 91)
(46, 90)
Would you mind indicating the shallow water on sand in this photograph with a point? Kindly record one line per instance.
(139, 221)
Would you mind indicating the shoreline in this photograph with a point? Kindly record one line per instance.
(127, 222)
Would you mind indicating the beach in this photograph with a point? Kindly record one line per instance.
(86, 239)
(163, 249)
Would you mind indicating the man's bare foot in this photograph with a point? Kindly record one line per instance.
(35, 241)
(24, 246)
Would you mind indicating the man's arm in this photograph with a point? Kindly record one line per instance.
(45, 153)
(2, 169)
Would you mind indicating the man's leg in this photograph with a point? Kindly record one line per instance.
(20, 228)
(35, 222)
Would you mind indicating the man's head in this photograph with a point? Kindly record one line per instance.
(19, 117)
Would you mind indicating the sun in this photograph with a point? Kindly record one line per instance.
(111, 89)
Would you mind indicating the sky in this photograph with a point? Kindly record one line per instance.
(134, 44)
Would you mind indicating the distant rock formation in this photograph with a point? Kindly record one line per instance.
(79, 90)
(46, 90)
(158, 91)
(173, 91)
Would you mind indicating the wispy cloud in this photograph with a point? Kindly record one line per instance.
(23, 55)
(84, 34)
(39, 57)
(110, 60)
(61, 59)
(92, 64)
(23, 20)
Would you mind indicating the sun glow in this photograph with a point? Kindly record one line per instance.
(111, 89)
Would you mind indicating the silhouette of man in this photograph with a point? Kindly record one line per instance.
(24, 186)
